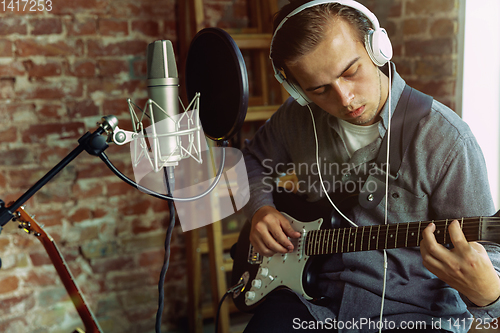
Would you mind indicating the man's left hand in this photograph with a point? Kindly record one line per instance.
(466, 268)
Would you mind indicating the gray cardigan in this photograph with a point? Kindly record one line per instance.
(443, 175)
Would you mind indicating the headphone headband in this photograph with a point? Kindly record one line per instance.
(377, 43)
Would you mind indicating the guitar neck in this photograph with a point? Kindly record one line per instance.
(389, 236)
(88, 319)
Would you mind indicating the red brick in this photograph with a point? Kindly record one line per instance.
(140, 68)
(111, 67)
(4, 242)
(83, 108)
(22, 303)
(8, 134)
(115, 107)
(436, 68)
(53, 193)
(5, 48)
(50, 111)
(151, 258)
(110, 27)
(31, 47)
(46, 69)
(112, 87)
(42, 279)
(12, 69)
(439, 46)
(146, 27)
(136, 207)
(129, 280)
(83, 68)
(43, 132)
(7, 88)
(46, 26)
(93, 171)
(415, 26)
(16, 324)
(140, 226)
(444, 28)
(105, 265)
(8, 284)
(86, 190)
(131, 47)
(81, 26)
(119, 188)
(17, 156)
(13, 25)
(78, 6)
(50, 218)
(429, 7)
(169, 30)
(52, 90)
(80, 215)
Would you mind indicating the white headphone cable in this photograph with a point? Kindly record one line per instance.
(319, 171)
(387, 170)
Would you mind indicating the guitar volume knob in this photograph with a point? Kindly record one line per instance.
(257, 283)
(250, 295)
(264, 271)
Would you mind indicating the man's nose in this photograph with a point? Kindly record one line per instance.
(345, 94)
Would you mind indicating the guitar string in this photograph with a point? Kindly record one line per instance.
(318, 237)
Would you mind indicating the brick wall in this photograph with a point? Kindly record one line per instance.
(425, 42)
(59, 72)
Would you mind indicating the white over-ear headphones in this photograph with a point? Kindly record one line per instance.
(377, 44)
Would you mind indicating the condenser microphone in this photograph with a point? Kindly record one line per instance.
(163, 90)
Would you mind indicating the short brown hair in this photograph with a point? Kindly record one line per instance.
(305, 30)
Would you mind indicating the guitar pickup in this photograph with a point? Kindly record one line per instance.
(254, 258)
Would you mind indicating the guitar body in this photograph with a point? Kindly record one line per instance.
(281, 270)
(269, 273)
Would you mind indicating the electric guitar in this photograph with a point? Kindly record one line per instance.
(262, 275)
(29, 225)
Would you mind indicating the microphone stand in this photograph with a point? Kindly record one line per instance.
(92, 143)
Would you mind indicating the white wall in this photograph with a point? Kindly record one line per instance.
(481, 82)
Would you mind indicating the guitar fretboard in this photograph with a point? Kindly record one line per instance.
(389, 236)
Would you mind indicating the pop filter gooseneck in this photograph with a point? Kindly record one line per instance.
(216, 69)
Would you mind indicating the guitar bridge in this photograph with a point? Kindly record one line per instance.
(254, 258)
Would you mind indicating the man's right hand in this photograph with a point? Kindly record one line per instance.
(270, 231)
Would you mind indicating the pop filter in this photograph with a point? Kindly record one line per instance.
(215, 68)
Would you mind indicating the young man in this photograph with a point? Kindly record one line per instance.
(321, 49)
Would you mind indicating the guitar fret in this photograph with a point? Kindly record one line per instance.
(355, 237)
(338, 235)
(378, 236)
(406, 240)
(316, 248)
(370, 238)
(361, 243)
(386, 236)
(396, 240)
(445, 231)
(349, 240)
(343, 238)
(418, 235)
(322, 242)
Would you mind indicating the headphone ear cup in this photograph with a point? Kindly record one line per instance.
(379, 47)
(296, 92)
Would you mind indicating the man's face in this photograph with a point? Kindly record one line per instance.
(340, 77)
